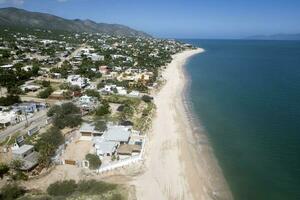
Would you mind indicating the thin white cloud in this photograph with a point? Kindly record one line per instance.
(12, 2)
(21, 2)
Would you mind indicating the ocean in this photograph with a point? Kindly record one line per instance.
(246, 95)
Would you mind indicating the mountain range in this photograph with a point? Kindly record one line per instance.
(15, 17)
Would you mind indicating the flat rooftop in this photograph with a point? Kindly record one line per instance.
(23, 149)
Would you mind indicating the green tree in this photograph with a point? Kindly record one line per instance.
(44, 94)
(127, 112)
(147, 98)
(35, 70)
(16, 164)
(3, 170)
(11, 191)
(100, 85)
(68, 94)
(9, 100)
(100, 125)
(48, 143)
(103, 109)
(94, 161)
(62, 188)
(65, 115)
(92, 93)
(45, 83)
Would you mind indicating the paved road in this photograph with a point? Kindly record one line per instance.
(38, 119)
(74, 53)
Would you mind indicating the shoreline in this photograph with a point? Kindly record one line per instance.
(216, 186)
(179, 162)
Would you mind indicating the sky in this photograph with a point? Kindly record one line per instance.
(180, 18)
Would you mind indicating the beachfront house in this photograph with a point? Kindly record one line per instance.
(120, 134)
(128, 150)
(103, 147)
(88, 131)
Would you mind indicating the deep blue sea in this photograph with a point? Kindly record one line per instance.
(246, 95)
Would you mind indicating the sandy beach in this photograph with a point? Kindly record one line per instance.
(179, 162)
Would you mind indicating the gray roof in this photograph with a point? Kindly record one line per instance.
(22, 149)
(117, 134)
(88, 127)
(104, 147)
(30, 161)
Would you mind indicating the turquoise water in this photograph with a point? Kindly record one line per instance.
(247, 97)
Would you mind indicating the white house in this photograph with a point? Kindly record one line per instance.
(120, 134)
(86, 99)
(122, 91)
(8, 118)
(103, 147)
(134, 93)
(96, 57)
(30, 87)
(78, 80)
(108, 88)
(6, 66)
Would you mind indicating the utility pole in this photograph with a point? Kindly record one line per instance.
(27, 124)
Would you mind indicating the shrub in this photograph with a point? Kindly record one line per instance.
(92, 93)
(104, 109)
(45, 83)
(94, 187)
(48, 143)
(19, 175)
(116, 197)
(94, 161)
(100, 85)
(9, 100)
(62, 188)
(147, 98)
(11, 191)
(44, 94)
(3, 170)
(16, 164)
(127, 112)
(120, 108)
(64, 86)
(66, 115)
(100, 126)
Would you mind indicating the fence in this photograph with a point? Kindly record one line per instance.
(123, 162)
